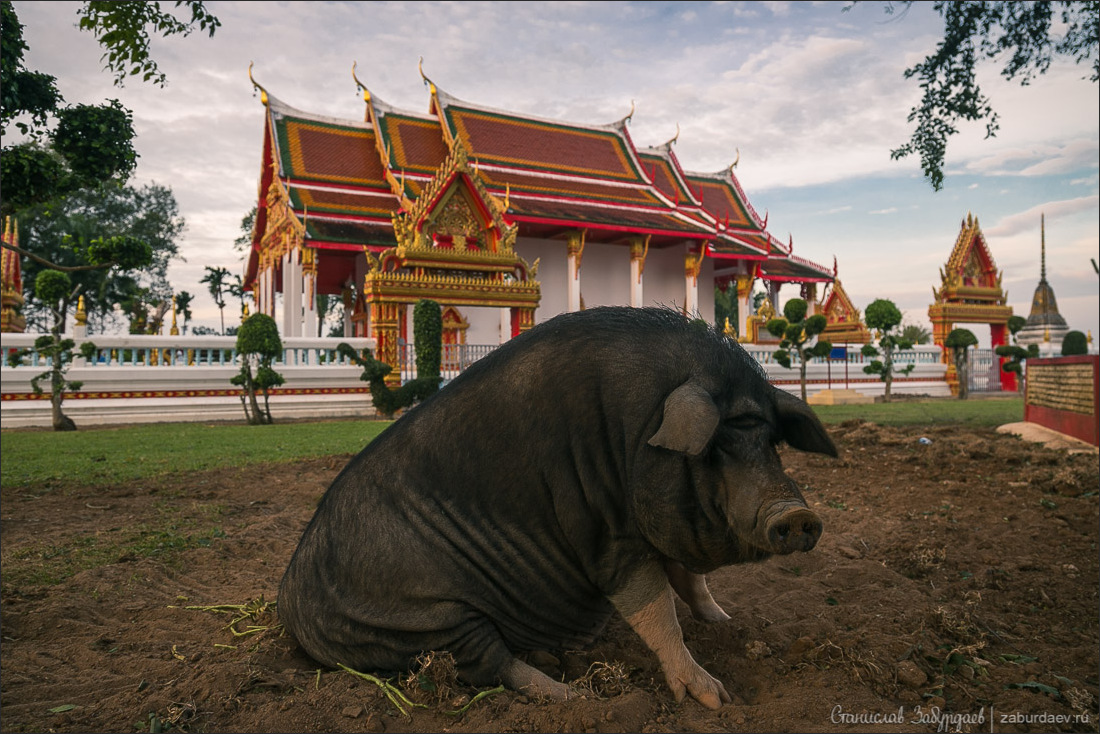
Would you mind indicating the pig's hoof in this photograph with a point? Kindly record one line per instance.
(702, 686)
(712, 613)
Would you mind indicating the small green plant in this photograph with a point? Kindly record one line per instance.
(795, 331)
(258, 344)
(959, 342)
(53, 288)
(883, 316)
(1074, 343)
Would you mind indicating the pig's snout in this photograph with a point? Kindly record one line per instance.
(796, 529)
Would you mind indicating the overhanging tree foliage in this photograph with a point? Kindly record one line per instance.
(1019, 33)
(89, 144)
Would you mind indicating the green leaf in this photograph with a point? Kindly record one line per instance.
(62, 708)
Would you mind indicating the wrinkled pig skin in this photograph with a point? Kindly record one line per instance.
(593, 464)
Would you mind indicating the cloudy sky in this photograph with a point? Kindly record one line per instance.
(811, 96)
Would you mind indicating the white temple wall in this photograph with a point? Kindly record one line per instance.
(605, 275)
(663, 279)
(551, 276)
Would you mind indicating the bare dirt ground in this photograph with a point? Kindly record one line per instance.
(955, 589)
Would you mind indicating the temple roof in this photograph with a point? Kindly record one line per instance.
(345, 179)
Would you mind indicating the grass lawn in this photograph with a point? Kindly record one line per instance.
(990, 412)
(101, 456)
(98, 456)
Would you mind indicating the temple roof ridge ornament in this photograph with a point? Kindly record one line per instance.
(373, 103)
(256, 86)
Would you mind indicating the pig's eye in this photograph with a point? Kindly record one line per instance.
(745, 422)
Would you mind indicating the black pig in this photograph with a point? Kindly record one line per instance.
(583, 467)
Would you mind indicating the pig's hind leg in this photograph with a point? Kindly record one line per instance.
(692, 589)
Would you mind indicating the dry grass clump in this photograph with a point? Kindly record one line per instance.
(434, 677)
(603, 680)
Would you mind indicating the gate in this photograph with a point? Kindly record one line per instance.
(984, 371)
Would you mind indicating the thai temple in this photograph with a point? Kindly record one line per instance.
(11, 284)
(503, 218)
(1045, 326)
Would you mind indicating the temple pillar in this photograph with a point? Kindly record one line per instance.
(385, 327)
(288, 280)
(639, 248)
(574, 253)
(310, 324)
(743, 283)
(808, 293)
(521, 319)
(693, 263)
(309, 286)
(348, 297)
(773, 296)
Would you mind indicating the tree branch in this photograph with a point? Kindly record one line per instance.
(55, 266)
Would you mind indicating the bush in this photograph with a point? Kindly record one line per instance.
(258, 345)
(1075, 342)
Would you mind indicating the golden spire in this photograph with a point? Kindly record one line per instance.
(1043, 246)
(175, 330)
(81, 314)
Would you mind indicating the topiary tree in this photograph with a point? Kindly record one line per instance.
(52, 288)
(1075, 342)
(428, 333)
(1015, 353)
(883, 316)
(258, 345)
(959, 341)
(794, 332)
(428, 341)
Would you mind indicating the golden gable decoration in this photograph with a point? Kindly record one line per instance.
(454, 247)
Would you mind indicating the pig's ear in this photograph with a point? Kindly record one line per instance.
(689, 419)
(800, 427)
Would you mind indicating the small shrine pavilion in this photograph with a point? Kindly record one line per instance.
(504, 219)
(845, 325)
(970, 293)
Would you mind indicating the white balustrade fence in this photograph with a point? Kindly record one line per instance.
(134, 378)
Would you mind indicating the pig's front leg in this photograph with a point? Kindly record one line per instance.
(519, 676)
(692, 588)
(646, 603)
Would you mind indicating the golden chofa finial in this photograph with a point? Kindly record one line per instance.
(358, 84)
(735, 160)
(420, 68)
(630, 115)
(256, 85)
(674, 137)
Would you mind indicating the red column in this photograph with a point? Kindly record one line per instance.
(998, 336)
